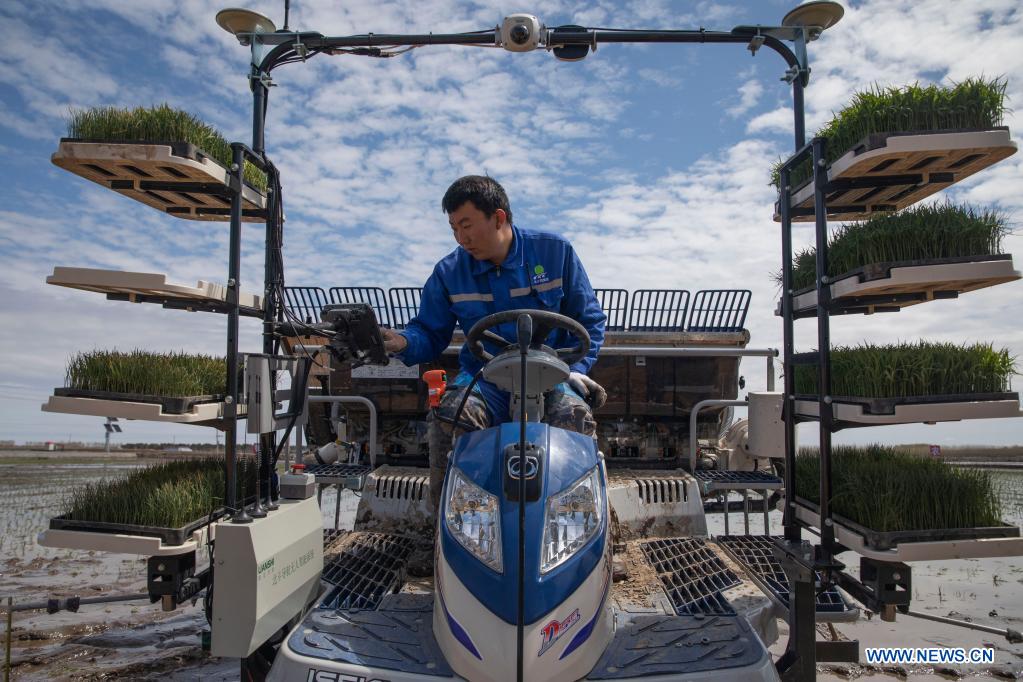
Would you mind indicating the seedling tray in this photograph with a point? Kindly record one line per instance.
(175, 178)
(918, 545)
(147, 287)
(864, 411)
(170, 404)
(202, 414)
(169, 536)
(891, 286)
(889, 171)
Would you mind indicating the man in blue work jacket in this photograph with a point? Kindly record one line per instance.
(498, 266)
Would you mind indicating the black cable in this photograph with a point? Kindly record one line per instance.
(296, 409)
(457, 421)
(525, 324)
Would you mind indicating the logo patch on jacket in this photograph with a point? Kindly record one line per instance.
(540, 275)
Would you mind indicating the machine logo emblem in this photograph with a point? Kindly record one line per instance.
(532, 466)
(555, 629)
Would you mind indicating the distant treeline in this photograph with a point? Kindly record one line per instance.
(197, 447)
(979, 453)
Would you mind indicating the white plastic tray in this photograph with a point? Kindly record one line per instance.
(200, 413)
(914, 413)
(919, 551)
(120, 544)
(912, 279)
(144, 284)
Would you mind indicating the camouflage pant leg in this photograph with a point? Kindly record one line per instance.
(441, 433)
(568, 411)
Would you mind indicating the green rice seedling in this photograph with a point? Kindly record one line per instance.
(911, 369)
(926, 232)
(886, 488)
(156, 124)
(145, 373)
(166, 495)
(975, 103)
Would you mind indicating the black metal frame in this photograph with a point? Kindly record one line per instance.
(294, 47)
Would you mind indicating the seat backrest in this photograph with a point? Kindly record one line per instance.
(305, 302)
(615, 304)
(404, 304)
(658, 310)
(374, 296)
(719, 310)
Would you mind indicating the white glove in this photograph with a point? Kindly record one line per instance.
(588, 388)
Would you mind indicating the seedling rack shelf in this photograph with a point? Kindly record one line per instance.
(863, 411)
(921, 545)
(201, 414)
(175, 178)
(149, 287)
(890, 171)
(885, 172)
(169, 404)
(889, 287)
(168, 536)
(121, 543)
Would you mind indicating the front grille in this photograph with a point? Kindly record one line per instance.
(369, 566)
(692, 575)
(402, 487)
(661, 490)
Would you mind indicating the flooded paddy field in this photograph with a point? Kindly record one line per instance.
(136, 640)
(125, 640)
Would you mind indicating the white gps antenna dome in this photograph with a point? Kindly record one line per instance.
(239, 22)
(822, 14)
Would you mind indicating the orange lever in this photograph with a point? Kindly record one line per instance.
(436, 381)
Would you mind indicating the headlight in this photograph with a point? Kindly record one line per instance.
(473, 516)
(572, 519)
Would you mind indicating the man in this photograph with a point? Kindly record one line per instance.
(498, 267)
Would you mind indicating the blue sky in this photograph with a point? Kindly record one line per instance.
(654, 160)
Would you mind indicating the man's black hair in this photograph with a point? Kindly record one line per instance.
(485, 194)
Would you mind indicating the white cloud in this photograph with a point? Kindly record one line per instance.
(749, 94)
(367, 147)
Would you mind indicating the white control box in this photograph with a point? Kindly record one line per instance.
(766, 426)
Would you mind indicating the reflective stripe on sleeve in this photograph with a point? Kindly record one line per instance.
(461, 298)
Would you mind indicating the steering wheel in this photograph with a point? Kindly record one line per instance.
(544, 322)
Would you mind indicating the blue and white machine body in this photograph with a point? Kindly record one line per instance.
(523, 560)
(567, 620)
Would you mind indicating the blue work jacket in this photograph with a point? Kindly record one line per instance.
(541, 272)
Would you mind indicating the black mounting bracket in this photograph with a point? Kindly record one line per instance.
(883, 587)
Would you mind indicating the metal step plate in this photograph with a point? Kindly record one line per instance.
(367, 567)
(692, 575)
(714, 479)
(349, 475)
(755, 554)
(668, 645)
(397, 636)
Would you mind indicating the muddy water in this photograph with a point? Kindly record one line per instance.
(135, 640)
